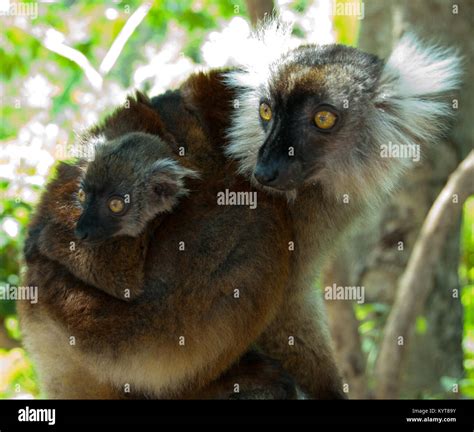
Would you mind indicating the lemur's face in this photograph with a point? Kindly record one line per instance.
(107, 203)
(127, 184)
(312, 107)
(325, 114)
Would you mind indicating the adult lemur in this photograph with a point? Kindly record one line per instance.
(206, 281)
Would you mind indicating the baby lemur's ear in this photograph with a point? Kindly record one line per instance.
(411, 102)
(165, 183)
(70, 171)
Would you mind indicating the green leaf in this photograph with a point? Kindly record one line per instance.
(421, 325)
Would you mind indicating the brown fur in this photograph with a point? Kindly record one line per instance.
(257, 376)
(120, 342)
(185, 293)
(317, 222)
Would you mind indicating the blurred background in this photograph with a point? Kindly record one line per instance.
(65, 64)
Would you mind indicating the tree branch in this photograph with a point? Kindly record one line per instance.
(417, 280)
(6, 341)
(344, 328)
(54, 41)
(258, 9)
(117, 46)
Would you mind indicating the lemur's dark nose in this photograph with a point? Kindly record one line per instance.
(282, 175)
(266, 174)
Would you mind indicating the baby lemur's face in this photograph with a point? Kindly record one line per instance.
(109, 206)
(127, 184)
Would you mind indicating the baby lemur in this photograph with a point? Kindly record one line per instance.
(131, 179)
(307, 135)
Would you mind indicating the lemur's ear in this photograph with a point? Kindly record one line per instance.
(69, 171)
(411, 102)
(88, 144)
(165, 182)
(61, 193)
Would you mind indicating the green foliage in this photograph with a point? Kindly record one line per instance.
(372, 317)
(18, 377)
(300, 5)
(466, 273)
(347, 25)
(15, 213)
(421, 325)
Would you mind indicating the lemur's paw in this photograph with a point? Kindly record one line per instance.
(258, 376)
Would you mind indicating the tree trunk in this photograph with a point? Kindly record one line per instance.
(258, 9)
(344, 327)
(376, 257)
(411, 295)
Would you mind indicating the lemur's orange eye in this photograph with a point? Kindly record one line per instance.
(116, 205)
(325, 119)
(265, 111)
(81, 196)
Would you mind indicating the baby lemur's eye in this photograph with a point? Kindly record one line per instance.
(81, 196)
(116, 205)
(325, 119)
(265, 111)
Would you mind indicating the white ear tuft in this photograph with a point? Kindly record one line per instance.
(420, 70)
(411, 103)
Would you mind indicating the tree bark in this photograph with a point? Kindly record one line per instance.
(377, 255)
(412, 294)
(6, 342)
(258, 9)
(344, 328)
